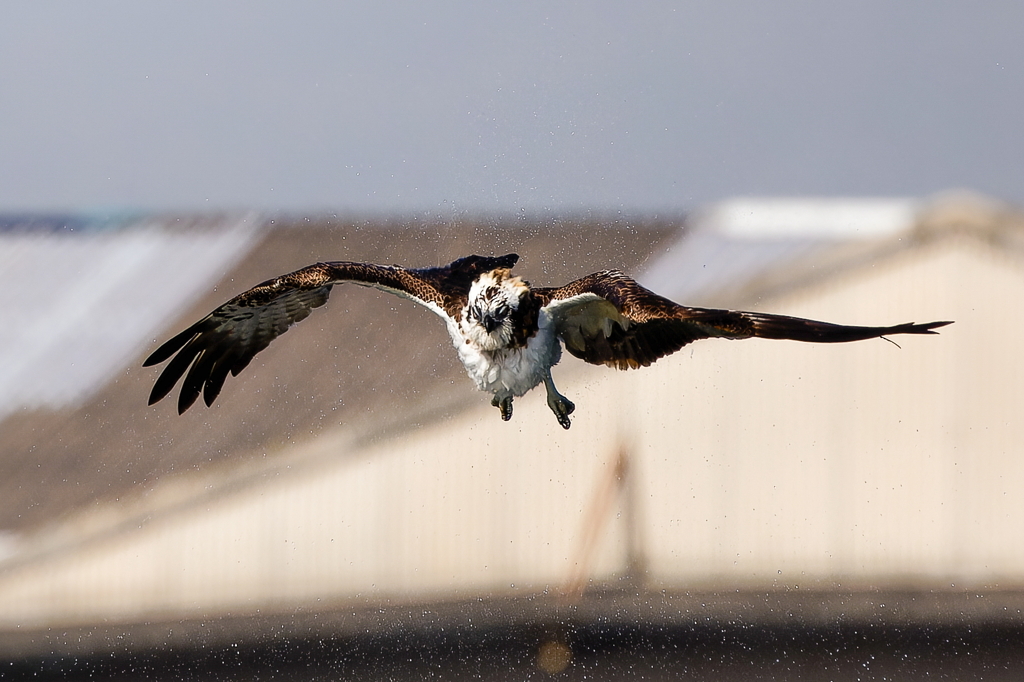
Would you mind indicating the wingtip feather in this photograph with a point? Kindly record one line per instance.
(931, 326)
(171, 346)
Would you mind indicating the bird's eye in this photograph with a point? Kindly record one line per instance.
(502, 311)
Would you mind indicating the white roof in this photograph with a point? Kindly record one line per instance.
(810, 216)
(82, 302)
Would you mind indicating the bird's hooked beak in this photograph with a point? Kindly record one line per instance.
(490, 322)
(487, 318)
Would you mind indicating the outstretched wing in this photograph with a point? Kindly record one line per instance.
(609, 319)
(227, 339)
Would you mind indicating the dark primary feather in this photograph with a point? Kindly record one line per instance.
(226, 340)
(608, 318)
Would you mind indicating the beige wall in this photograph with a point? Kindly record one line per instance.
(862, 463)
(755, 463)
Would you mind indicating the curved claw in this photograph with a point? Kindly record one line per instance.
(559, 404)
(562, 407)
(504, 405)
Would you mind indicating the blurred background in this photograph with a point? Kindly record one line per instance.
(351, 506)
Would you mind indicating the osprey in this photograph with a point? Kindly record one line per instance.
(508, 334)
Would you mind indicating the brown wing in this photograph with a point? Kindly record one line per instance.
(608, 319)
(227, 339)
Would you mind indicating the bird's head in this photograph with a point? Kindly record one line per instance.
(494, 298)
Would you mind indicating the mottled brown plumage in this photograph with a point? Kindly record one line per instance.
(227, 339)
(653, 326)
(508, 335)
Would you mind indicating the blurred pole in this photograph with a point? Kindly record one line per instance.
(615, 483)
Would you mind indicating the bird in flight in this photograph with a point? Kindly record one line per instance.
(508, 334)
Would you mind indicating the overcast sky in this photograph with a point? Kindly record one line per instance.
(460, 106)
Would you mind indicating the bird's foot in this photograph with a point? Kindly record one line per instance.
(562, 407)
(504, 405)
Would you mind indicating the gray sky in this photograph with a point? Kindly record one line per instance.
(459, 106)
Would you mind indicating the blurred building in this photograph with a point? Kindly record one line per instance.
(352, 483)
